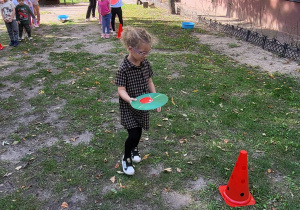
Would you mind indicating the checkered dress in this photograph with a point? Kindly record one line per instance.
(135, 80)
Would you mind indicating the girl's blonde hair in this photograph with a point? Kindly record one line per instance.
(134, 36)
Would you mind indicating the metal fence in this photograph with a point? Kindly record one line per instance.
(272, 45)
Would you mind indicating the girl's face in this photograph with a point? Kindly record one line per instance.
(140, 53)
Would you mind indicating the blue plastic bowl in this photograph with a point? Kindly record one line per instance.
(187, 25)
(63, 17)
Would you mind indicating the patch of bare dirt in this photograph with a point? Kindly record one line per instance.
(249, 54)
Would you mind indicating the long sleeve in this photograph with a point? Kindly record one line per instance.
(30, 12)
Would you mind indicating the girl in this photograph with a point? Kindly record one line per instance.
(116, 9)
(134, 78)
(104, 6)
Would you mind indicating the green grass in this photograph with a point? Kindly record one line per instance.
(217, 105)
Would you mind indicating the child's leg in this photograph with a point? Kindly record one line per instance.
(20, 30)
(108, 23)
(113, 17)
(103, 25)
(15, 30)
(120, 15)
(134, 136)
(28, 30)
(36, 9)
(9, 28)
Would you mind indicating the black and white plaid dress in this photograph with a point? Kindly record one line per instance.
(135, 80)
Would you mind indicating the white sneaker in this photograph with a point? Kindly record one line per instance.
(114, 33)
(127, 166)
(135, 155)
(30, 38)
(87, 20)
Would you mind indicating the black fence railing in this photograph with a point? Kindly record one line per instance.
(272, 45)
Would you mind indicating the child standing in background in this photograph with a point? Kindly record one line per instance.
(8, 13)
(133, 79)
(36, 11)
(99, 11)
(104, 6)
(22, 15)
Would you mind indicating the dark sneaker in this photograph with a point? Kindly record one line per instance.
(127, 166)
(16, 43)
(11, 43)
(135, 155)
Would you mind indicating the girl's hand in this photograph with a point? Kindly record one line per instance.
(158, 109)
(132, 99)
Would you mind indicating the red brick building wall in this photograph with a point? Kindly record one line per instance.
(277, 15)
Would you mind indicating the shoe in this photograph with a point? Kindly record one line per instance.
(114, 33)
(87, 20)
(16, 43)
(99, 23)
(36, 25)
(19, 39)
(102, 35)
(94, 18)
(127, 166)
(11, 43)
(107, 36)
(30, 38)
(135, 155)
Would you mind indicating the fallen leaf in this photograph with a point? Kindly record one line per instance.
(165, 119)
(221, 148)
(122, 186)
(7, 174)
(105, 160)
(18, 168)
(79, 188)
(159, 125)
(117, 165)
(113, 179)
(178, 170)
(269, 170)
(64, 205)
(98, 176)
(120, 172)
(183, 140)
(107, 131)
(168, 170)
(97, 83)
(172, 100)
(167, 154)
(74, 139)
(190, 162)
(145, 157)
(226, 141)
(166, 189)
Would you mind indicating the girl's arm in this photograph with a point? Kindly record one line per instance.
(124, 95)
(152, 90)
(151, 86)
(13, 14)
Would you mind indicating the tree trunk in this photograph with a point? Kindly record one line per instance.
(172, 6)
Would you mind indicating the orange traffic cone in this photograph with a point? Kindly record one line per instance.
(1, 47)
(120, 31)
(236, 192)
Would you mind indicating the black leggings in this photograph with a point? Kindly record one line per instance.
(114, 12)
(134, 136)
(91, 8)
